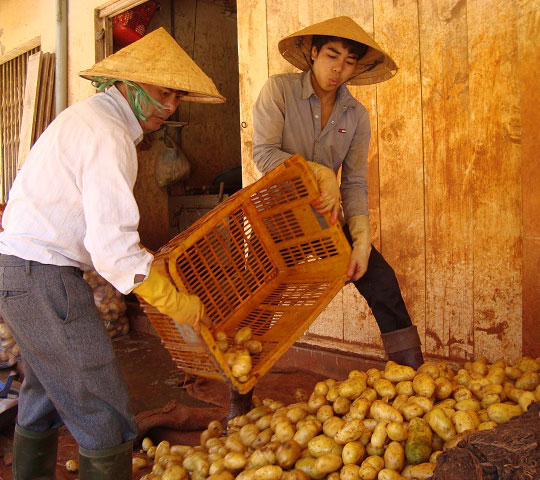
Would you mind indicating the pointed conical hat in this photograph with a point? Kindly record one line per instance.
(158, 60)
(375, 66)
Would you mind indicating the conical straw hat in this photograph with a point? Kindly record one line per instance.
(375, 66)
(158, 60)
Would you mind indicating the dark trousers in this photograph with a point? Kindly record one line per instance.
(380, 288)
(71, 375)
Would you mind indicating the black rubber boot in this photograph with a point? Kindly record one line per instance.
(403, 346)
(108, 464)
(239, 403)
(34, 454)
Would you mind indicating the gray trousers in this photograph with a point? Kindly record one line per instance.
(71, 372)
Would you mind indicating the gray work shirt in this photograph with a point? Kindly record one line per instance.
(287, 120)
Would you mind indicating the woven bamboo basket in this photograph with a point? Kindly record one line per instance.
(263, 258)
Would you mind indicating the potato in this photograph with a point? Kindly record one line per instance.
(394, 456)
(369, 394)
(405, 387)
(72, 465)
(412, 410)
(321, 445)
(262, 439)
(305, 434)
(418, 446)
(385, 389)
(352, 388)
(294, 474)
(496, 375)
(487, 425)
(373, 375)
(241, 365)
(468, 404)
(332, 426)
(502, 412)
(288, 453)
(325, 412)
(367, 472)
(268, 472)
(528, 381)
(328, 463)
(333, 393)
(349, 472)
(234, 461)
(349, 432)
(174, 472)
(400, 401)
(443, 388)
(162, 448)
(441, 424)
(307, 465)
(382, 411)
(379, 434)
(425, 403)
(242, 335)
(373, 450)
(359, 408)
(423, 471)
(353, 452)
(316, 401)
(399, 373)
(253, 346)
(396, 431)
(375, 461)
(388, 474)
(463, 421)
(424, 385)
(525, 400)
(284, 431)
(341, 405)
(430, 369)
(223, 475)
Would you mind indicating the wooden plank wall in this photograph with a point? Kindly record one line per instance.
(454, 168)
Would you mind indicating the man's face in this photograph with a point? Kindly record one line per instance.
(333, 65)
(155, 116)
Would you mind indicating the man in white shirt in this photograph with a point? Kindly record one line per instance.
(71, 208)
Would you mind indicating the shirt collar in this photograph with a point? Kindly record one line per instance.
(343, 97)
(132, 124)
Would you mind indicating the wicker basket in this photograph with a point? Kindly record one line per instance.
(264, 259)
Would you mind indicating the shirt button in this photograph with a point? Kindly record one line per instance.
(316, 116)
(333, 122)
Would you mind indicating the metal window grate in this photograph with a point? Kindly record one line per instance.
(13, 79)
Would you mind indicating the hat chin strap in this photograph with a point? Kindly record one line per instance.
(138, 98)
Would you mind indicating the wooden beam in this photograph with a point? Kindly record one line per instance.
(25, 47)
(31, 90)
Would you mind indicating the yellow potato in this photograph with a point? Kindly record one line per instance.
(242, 335)
(316, 401)
(284, 431)
(528, 381)
(441, 424)
(349, 432)
(352, 388)
(174, 472)
(341, 405)
(443, 388)
(288, 453)
(405, 387)
(399, 373)
(379, 435)
(353, 452)
(425, 403)
(487, 425)
(367, 472)
(400, 401)
(423, 471)
(463, 421)
(375, 461)
(526, 399)
(388, 474)
(307, 465)
(349, 472)
(223, 475)
(412, 410)
(321, 445)
(502, 412)
(394, 456)
(396, 431)
(268, 472)
(468, 404)
(424, 385)
(305, 434)
(293, 474)
(328, 463)
(430, 369)
(382, 411)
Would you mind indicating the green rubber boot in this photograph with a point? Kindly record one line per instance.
(108, 464)
(34, 454)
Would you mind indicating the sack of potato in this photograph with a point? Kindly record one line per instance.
(110, 303)
(9, 350)
(381, 424)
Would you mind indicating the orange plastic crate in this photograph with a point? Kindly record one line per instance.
(264, 259)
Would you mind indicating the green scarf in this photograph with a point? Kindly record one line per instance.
(137, 96)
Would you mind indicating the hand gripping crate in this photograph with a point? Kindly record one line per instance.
(263, 258)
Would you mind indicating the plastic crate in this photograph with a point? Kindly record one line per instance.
(264, 259)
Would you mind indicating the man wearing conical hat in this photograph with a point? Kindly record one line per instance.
(71, 208)
(313, 114)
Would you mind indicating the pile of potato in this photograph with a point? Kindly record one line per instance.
(238, 353)
(9, 350)
(381, 424)
(110, 303)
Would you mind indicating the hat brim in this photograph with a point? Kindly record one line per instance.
(374, 67)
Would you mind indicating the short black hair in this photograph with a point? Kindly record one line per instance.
(356, 48)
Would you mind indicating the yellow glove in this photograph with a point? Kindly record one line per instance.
(159, 292)
(359, 229)
(330, 199)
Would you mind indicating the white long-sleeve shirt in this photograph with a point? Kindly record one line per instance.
(72, 202)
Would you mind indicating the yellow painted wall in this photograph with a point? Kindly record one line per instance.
(23, 20)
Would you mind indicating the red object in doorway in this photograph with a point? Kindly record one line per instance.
(131, 25)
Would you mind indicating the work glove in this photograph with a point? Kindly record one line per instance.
(330, 198)
(359, 230)
(159, 292)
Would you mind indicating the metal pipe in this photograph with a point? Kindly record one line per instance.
(60, 89)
